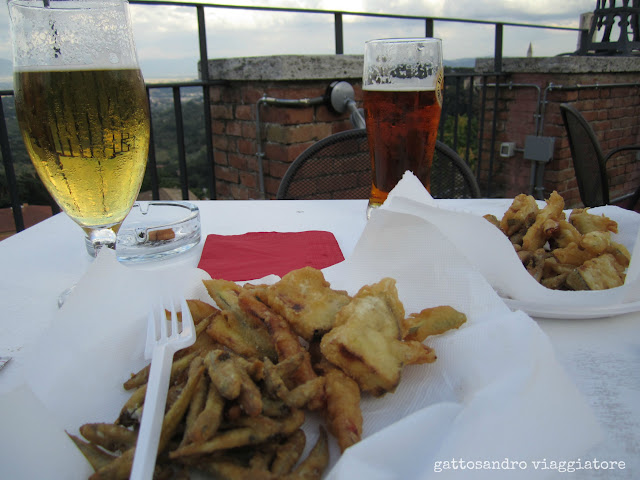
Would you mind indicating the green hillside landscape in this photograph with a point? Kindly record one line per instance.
(31, 190)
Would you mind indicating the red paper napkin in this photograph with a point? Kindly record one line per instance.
(258, 254)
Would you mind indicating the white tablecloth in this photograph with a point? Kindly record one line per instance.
(602, 356)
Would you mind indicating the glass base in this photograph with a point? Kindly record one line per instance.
(101, 237)
(156, 230)
(370, 208)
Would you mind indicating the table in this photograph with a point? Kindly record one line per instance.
(602, 356)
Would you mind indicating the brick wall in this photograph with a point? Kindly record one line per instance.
(613, 112)
(285, 131)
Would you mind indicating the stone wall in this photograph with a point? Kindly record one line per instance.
(597, 86)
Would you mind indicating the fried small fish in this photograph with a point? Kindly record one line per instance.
(344, 416)
(431, 321)
(233, 327)
(520, 215)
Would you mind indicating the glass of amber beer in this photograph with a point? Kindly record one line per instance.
(82, 107)
(402, 91)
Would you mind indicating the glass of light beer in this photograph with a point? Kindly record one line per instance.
(82, 107)
(402, 91)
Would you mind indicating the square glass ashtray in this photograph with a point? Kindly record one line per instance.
(156, 230)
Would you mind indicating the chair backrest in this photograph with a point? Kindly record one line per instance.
(588, 159)
(339, 167)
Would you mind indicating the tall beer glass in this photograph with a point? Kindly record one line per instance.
(82, 107)
(402, 90)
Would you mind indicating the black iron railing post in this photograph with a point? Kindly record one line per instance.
(182, 158)
(152, 167)
(494, 131)
(9, 171)
(497, 60)
(469, 118)
(339, 34)
(206, 100)
(456, 113)
(443, 114)
(428, 27)
(483, 104)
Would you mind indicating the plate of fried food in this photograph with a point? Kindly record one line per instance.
(379, 367)
(265, 358)
(540, 257)
(576, 250)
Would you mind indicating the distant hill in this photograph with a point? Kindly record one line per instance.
(460, 63)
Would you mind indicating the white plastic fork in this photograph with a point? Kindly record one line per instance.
(160, 347)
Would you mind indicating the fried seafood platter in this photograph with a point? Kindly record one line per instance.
(267, 357)
(574, 252)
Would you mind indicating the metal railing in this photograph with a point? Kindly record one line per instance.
(452, 80)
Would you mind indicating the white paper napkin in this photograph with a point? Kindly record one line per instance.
(97, 338)
(76, 368)
(490, 251)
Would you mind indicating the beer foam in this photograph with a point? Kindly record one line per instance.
(78, 35)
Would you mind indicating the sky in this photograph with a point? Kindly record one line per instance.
(167, 36)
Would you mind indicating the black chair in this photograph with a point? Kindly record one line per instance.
(589, 162)
(339, 167)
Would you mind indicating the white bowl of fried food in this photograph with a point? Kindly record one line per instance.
(564, 253)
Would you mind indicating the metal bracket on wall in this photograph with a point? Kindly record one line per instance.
(339, 97)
